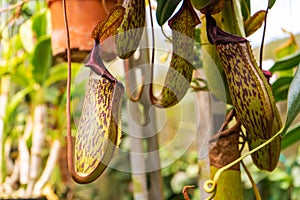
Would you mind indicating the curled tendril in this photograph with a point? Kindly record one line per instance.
(166, 36)
(210, 185)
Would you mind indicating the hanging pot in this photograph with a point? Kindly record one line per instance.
(83, 16)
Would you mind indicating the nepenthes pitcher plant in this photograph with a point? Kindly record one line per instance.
(99, 130)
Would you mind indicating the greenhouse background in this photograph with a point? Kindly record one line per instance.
(163, 149)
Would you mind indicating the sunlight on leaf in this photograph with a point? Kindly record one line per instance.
(27, 36)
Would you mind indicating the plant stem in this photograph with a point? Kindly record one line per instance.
(24, 160)
(38, 138)
(137, 159)
(68, 102)
(156, 188)
(13, 179)
(255, 189)
(5, 85)
(8, 160)
(51, 161)
(149, 127)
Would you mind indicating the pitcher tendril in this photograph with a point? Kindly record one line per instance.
(99, 129)
(180, 73)
(210, 185)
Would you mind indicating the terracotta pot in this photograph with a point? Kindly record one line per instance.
(83, 16)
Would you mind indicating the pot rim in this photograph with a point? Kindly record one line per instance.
(52, 1)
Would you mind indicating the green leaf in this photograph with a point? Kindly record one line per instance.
(293, 107)
(40, 24)
(198, 35)
(21, 78)
(246, 9)
(51, 94)
(17, 99)
(42, 59)
(287, 48)
(286, 63)
(271, 3)
(203, 4)
(165, 9)
(59, 72)
(292, 136)
(11, 49)
(278, 175)
(280, 88)
(232, 10)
